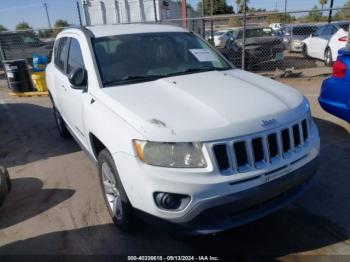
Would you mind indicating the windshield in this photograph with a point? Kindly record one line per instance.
(218, 33)
(304, 30)
(256, 32)
(125, 59)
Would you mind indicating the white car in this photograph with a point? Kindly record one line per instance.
(326, 41)
(276, 26)
(222, 37)
(180, 137)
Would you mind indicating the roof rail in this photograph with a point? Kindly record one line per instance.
(82, 28)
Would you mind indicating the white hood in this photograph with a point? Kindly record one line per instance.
(204, 106)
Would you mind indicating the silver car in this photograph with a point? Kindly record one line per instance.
(295, 34)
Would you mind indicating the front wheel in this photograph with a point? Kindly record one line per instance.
(114, 194)
(304, 51)
(328, 60)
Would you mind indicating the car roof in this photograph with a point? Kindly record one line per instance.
(123, 29)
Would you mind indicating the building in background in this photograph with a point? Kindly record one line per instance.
(99, 12)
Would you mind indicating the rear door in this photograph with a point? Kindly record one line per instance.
(61, 79)
(322, 41)
(313, 42)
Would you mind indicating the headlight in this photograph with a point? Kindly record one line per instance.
(180, 155)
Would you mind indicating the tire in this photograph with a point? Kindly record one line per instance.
(116, 200)
(304, 51)
(61, 125)
(5, 184)
(328, 60)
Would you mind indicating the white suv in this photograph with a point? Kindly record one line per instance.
(178, 134)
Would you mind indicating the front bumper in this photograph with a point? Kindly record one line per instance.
(210, 189)
(245, 206)
(296, 46)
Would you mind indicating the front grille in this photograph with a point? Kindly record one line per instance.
(273, 145)
(259, 151)
(220, 152)
(285, 140)
(241, 154)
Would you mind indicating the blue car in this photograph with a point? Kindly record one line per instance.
(335, 91)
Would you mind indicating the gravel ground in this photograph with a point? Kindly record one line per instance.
(56, 205)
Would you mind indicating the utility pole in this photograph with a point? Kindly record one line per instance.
(155, 11)
(79, 15)
(211, 20)
(244, 28)
(184, 13)
(47, 14)
(203, 11)
(330, 12)
(285, 11)
(203, 22)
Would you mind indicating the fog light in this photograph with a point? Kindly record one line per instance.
(171, 201)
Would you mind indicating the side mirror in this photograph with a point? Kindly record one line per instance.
(78, 78)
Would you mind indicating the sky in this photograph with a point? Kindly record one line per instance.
(32, 11)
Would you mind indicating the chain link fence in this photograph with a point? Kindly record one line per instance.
(276, 44)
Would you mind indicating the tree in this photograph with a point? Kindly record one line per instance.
(240, 5)
(3, 28)
(23, 26)
(322, 3)
(59, 25)
(45, 33)
(314, 15)
(343, 14)
(219, 7)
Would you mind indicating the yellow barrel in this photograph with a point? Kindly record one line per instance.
(39, 81)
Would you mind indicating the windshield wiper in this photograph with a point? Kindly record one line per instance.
(197, 70)
(143, 78)
(132, 79)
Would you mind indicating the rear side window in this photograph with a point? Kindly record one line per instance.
(75, 57)
(329, 30)
(62, 53)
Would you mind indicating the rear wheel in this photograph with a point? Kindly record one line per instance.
(328, 60)
(114, 194)
(61, 125)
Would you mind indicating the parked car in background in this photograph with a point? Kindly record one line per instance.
(326, 41)
(180, 137)
(335, 91)
(276, 26)
(261, 46)
(222, 37)
(23, 45)
(295, 34)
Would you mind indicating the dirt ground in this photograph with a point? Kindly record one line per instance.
(56, 205)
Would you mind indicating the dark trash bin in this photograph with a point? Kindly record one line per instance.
(18, 75)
